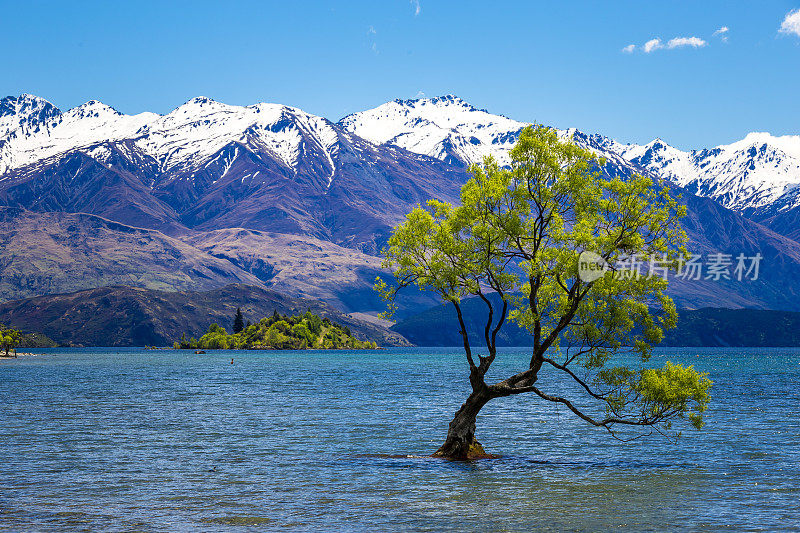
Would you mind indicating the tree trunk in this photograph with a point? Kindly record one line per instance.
(460, 444)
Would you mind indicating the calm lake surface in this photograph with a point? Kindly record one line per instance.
(164, 440)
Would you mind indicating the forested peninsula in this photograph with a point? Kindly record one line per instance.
(278, 332)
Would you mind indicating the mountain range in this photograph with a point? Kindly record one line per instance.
(274, 197)
(758, 174)
(208, 166)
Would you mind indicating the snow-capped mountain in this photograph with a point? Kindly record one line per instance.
(747, 176)
(450, 129)
(446, 127)
(756, 176)
(32, 129)
(208, 165)
(203, 145)
(199, 129)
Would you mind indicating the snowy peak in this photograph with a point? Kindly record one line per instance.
(747, 175)
(450, 129)
(446, 101)
(786, 144)
(27, 105)
(22, 116)
(197, 130)
(444, 127)
(93, 108)
(33, 129)
(188, 137)
(95, 122)
(660, 158)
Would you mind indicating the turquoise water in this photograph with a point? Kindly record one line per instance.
(120, 440)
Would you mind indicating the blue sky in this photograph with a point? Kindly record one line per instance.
(559, 63)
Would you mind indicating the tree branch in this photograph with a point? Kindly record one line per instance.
(464, 336)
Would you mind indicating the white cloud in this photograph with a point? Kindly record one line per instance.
(722, 33)
(416, 5)
(371, 33)
(652, 45)
(678, 42)
(420, 94)
(629, 49)
(791, 23)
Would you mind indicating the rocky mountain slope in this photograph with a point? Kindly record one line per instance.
(54, 252)
(296, 265)
(47, 253)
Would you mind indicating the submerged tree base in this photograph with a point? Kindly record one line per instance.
(463, 452)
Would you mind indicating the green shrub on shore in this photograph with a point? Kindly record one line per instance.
(9, 339)
(279, 332)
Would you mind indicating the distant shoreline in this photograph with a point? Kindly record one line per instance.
(19, 354)
(436, 347)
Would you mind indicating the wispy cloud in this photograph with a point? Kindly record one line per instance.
(371, 33)
(680, 42)
(791, 23)
(417, 8)
(722, 33)
(657, 44)
(652, 45)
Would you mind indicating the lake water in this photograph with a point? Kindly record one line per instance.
(163, 440)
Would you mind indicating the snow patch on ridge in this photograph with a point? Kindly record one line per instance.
(447, 128)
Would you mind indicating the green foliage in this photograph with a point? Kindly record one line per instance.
(674, 388)
(314, 323)
(279, 332)
(9, 338)
(519, 232)
(238, 321)
(36, 340)
(301, 331)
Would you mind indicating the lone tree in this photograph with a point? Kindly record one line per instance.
(9, 338)
(238, 321)
(519, 233)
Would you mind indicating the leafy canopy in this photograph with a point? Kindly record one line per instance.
(519, 232)
(9, 338)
